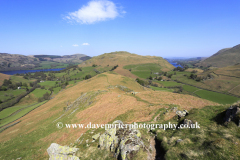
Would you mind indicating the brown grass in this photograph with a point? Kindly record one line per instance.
(2, 77)
(183, 101)
(106, 107)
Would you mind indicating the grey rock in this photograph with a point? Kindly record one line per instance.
(179, 140)
(120, 140)
(182, 113)
(58, 152)
(232, 113)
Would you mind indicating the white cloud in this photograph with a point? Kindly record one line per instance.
(95, 11)
(75, 45)
(85, 44)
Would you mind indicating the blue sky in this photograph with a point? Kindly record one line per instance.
(167, 28)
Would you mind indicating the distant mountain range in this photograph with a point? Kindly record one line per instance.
(21, 62)
(223, 58)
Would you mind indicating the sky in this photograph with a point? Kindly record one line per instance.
(166, 28)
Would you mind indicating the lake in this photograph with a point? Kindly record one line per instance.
(175, 64)
(31, 71)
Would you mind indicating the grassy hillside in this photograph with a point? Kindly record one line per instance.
(122, 59)
(105, 97)
(16, 61)
(20, 62)
(116, 95)
(223, 58)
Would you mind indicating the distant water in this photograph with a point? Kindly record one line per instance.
(174, 64)
(27, 71)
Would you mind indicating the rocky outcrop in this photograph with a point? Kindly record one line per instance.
(57, 152)
(121, 140)
(182, 113)
(232, 114)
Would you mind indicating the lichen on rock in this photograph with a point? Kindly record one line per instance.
(121, 140)
(57, 152)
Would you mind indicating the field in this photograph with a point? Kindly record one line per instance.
(48, 84)
(16, 79)
(4, 95)
(190, 88)
(169, 83)
(18, 115)
(144, 70)
(161, 89)
(217, 97)
(40, 92)
(8, 111)
(223, 79)
(209, 95)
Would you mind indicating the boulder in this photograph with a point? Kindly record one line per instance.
(57, 152)
(121, 140)
(232, 114)
(182, 113)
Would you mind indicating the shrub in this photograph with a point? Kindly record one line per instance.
(114, 68)
(141, 82)
(88, 76)
(46, 96)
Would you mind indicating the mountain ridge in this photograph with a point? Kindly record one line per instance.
(223, 58)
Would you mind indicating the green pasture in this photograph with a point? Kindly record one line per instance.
(20, 114)
(40, 92)
(169, 83)
(8, 111)
(217, 97)
(161, 89)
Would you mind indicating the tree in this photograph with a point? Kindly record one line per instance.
(159, 78)
(169, 76)
(193, 76)
(66, 83)
(51, 89)
(46, 96)
(6, 82)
